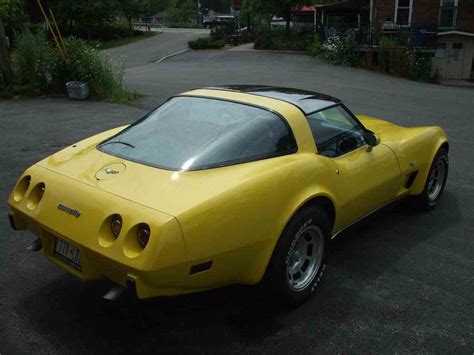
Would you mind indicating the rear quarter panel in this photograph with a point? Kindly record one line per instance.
(238, 229)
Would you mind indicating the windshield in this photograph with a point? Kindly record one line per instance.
(191, 133)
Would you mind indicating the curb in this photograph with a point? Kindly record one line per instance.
(171, 55)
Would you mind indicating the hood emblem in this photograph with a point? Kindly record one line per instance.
(110, 171)
(69, 210)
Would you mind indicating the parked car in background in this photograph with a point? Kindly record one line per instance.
(279, 22)
(225, 20)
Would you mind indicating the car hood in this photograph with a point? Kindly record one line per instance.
(171, 192)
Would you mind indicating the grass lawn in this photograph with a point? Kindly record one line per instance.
(122, 41)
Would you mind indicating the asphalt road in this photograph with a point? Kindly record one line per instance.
(150, 50)
(400, 281)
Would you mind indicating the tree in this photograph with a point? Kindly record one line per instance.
(88, 15)
(159, 5)
(133, 9)
(183, 12)
(282, 8)
(9, 11)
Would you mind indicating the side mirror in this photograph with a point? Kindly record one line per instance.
(371, 139)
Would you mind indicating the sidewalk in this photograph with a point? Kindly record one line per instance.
(457, 82)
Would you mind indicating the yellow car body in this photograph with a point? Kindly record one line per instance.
(214, 227)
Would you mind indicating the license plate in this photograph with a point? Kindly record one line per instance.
(68, 253)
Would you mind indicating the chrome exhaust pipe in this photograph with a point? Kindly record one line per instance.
(114, 293)
(37, 245)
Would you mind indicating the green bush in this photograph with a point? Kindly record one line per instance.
(403, 61)
(108, 32)
(351, 54)
(35, 65)
(315, 47)
(339, 50)
(38, 68)
(282, 39)
(384, 50)
(206, 43)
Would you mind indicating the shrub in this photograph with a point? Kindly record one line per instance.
(403, 61)
(315, 47)
(219, 32)
(282, 39)
(350, 52)
(87, 64)
(339, 50)
(386, 46)
(38, 68)
(206, 43)
(333, 49)
(35, 64)
(107, 32)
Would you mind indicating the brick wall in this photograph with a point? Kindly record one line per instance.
(465, 20)
(425, 12)
(384, 10)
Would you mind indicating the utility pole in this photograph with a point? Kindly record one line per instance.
(5, 66)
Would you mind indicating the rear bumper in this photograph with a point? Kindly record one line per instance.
(158, 269)
(94, 266)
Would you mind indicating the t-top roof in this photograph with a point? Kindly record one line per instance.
(306, 101)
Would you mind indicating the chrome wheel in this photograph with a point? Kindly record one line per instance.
(436, 180)
(304, 257)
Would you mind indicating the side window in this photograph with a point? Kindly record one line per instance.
(335, 131)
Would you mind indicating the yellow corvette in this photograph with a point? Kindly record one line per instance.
(223, 185)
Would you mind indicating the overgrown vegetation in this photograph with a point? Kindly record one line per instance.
(394, 57)
(38, 69)
(282, 39)
(402, 60)
(206, 43)
(337, 50)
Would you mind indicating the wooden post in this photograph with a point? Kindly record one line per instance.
(5, 66)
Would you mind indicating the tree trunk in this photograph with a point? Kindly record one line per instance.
(129, 18)
(288, 17)
(5, 66)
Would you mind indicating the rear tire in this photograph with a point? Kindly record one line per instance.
(435, 182)
(299, 259)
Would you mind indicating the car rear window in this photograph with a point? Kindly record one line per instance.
(193, 133)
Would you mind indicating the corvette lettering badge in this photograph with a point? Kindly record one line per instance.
(69, 210)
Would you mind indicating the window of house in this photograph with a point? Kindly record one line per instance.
(447, 13)
(457, 48)
(440, 51)
(403, 12)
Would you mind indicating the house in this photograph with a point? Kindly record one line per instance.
(446, 26)
(344, 14)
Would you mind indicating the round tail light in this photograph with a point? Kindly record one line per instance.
(35, 196)
(116, 225)
(143, 234)
(21, 188)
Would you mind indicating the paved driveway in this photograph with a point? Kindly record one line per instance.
(168, 41)
(398, 282)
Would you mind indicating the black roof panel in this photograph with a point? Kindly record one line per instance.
(306, 101)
